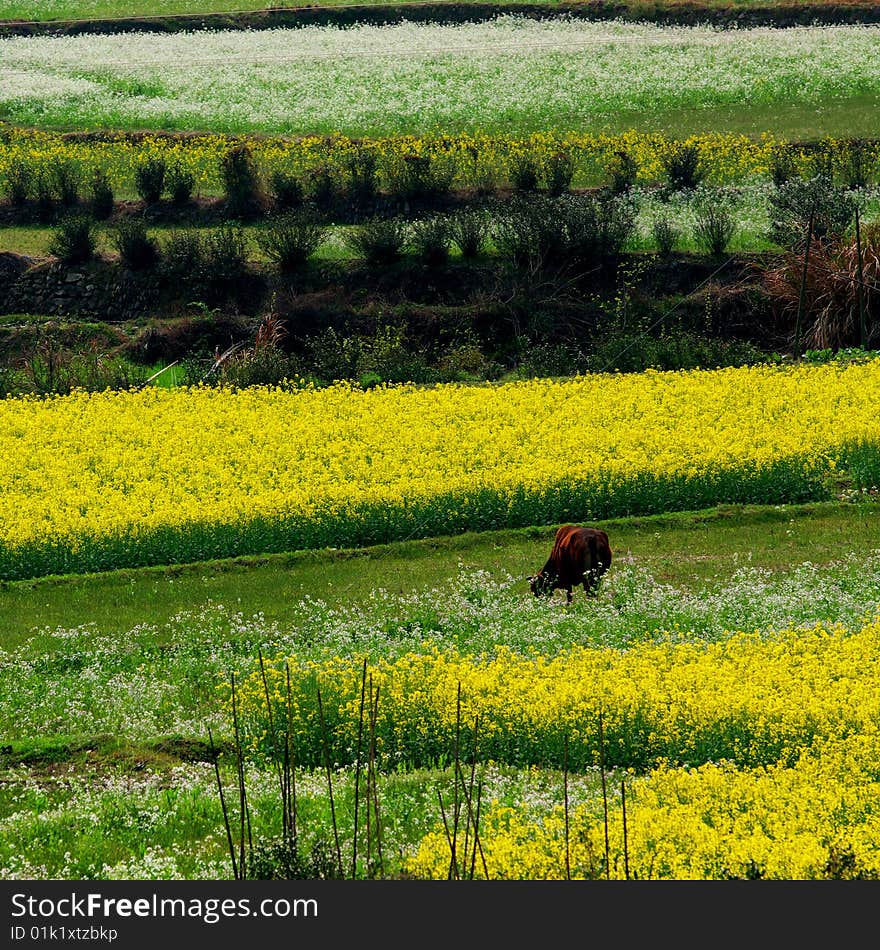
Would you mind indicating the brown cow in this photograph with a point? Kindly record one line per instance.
(579, 556)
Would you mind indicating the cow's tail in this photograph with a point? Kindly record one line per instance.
(600, 559)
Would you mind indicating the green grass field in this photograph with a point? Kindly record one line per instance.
(687, 550)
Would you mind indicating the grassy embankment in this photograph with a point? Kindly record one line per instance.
(47, 10)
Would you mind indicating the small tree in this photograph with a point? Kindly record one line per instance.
(291, 239)
(149, 180)
(73, 241)
(180, 183)
(241, 182)
(137, 250)
(100, 195)
(795, 202)
(378, 241)
(715, 223)
(682, 168)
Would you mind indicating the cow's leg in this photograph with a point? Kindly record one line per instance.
(591, 582)
(568, 595)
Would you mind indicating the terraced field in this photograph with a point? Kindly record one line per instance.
(312, 335)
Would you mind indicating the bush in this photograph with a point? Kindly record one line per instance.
(598, 226)
(621, 172)
(64, 179)
(537, 231)
(378, 241)
(385, 357)
(323, 188)
(715, 223)
(291, 239)
(430, 238)
(361, 168)
(52, 368)
(681, 167)
(101, 199)
(551, 359)
(137, 250)
(666, 235)
(241, 182)
(834, 297)
(180, 184)
(287, 192)
(524, 173)
(149, 180)
(368, 358)
(183, 260)
(858, 164)
(420, 177)
(225, 262)
(527, 232)
(45, 196)
(73, 240)
(782, 166)
(634, 352)
(265, 365)
(558, 173)
(466, 362)
(20, 182)
(468, 229)
(791, 205)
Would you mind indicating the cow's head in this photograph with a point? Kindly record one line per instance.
(541, 584)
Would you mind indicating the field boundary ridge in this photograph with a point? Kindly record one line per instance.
(675, 13)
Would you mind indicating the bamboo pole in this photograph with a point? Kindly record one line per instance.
(863, 323)
(803, 290)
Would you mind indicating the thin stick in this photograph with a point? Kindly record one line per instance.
(565, 800)
(373, 718)
(357, 769)
(329, 782)
(604, 797)
(623, 805)
(250, 842)
(863, 323)
(214, 758)
(164, 369)
(449, 875)
(290, 760)
(477, 843)
(276, 759)
(470, 792)
(369, 776)
(473, 819)
(242, 795)
(455, 772)
(803, 291)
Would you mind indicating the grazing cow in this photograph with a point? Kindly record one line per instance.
(579, 556)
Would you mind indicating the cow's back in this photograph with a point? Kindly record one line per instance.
(577, 550)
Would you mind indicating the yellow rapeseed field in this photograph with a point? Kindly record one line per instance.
(91, 481)
(473, 159)
(819, 819)
(753, 698)
(755, 755)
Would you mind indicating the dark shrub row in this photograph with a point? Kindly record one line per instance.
(350, 190)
